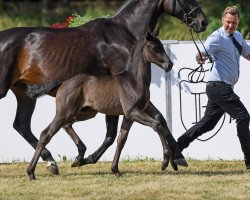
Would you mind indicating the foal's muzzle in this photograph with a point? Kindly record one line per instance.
(167, 66)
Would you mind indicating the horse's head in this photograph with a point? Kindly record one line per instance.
(154, 52)
(188, 11)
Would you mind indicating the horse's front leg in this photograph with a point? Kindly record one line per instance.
(122, 138)
(112, 123)
(177, 157)
(142, 118)
(25, 109)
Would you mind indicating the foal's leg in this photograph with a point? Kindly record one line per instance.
(25, 109)
(122, 138)
(45, 137)
(79, 144)
(179, 159)
(85, 114)
(142, 118)
(66, 110)
(111, 122)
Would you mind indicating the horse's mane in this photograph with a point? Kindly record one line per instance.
(123, 11)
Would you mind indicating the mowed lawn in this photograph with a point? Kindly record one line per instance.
(142, 179)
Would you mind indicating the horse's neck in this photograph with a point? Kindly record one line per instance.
(138, 15)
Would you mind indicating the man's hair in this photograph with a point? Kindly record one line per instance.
(233, 10)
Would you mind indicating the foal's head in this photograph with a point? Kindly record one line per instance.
(154, 52)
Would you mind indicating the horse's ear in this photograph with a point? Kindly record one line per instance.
(157, 31)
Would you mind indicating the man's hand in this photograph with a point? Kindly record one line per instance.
(201, 58)
(248, 57)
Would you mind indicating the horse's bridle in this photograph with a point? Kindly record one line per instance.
(187, 15)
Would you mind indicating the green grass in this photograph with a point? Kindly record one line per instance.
(142, 179)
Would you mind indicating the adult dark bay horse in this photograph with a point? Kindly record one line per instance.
(36, 55)
(126, 93)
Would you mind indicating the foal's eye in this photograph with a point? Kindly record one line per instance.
(154, 49)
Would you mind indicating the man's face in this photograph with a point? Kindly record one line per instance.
(230, 23)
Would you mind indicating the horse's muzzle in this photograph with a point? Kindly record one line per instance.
(199, 27)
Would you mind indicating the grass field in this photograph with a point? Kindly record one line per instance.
(141, 179)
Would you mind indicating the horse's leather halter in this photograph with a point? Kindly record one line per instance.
(187, 18)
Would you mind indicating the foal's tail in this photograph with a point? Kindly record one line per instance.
(38, 90)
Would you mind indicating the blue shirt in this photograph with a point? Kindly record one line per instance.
(225, 55)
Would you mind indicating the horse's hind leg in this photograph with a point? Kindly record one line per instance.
(112, 123)
(25, 109)
(6, 72)
(178, 158)
(122, 138)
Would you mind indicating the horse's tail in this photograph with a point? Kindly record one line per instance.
(38, 90)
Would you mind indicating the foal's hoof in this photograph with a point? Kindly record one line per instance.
(117, 173)
(181, 162)
(79, 161)
(53, 168)
(32, 177)
(164, 165)
(90, 160)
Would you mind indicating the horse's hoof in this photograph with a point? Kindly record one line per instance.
(53, 168)
(174, 166)
(181, 162)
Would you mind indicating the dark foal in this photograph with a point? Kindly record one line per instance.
(36, 55)
(126, 93)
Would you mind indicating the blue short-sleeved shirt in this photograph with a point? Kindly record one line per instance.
(225, 55)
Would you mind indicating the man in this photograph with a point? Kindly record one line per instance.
(221, 45)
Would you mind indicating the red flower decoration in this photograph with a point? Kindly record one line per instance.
(63, 24)
(69, 19)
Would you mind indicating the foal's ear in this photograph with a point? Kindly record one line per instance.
(148, 34)
(157, 31)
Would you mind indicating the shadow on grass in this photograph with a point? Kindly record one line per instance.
(159, 173)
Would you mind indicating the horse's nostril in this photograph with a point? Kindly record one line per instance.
(204, 23)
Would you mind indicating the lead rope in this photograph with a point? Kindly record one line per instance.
(200, 69)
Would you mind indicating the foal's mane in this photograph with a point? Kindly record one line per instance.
(137, 49)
